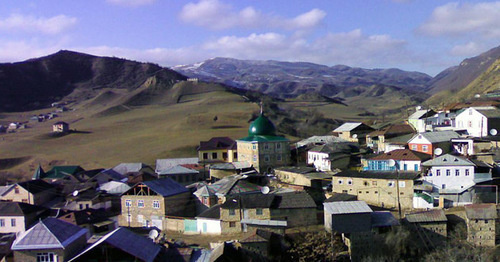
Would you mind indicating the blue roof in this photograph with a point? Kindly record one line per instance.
(165, 187)
(127, 241)
(50, 233)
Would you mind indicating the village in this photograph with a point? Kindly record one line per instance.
(241, 198)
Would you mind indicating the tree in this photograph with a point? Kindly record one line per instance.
(317, 246)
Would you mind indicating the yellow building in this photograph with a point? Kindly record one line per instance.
(217, 149)
(262, 147)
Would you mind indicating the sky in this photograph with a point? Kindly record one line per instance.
(414, 35)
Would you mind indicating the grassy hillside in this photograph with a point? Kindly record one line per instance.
(488, 81)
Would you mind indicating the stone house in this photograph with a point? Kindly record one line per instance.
(428, 142)
(428, 228)
(406, 160)
(353, 132)
(217, 149)
(379, 188)
(35, 192)
(376, 139)
(263, 148)
(50, 239)
(221, 170)
(147, 203)
(482, 224)
(300, 178)
(17, 217)
(332, 156)
(181, 175)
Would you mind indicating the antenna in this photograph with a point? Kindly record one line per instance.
(438, 151)
(153, 234)
(261, 108)
(493, 132)
(265, 190)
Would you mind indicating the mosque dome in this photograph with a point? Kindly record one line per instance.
(262, 126)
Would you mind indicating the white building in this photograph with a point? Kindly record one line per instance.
(208, 222)
(478, 122)
(450, 172)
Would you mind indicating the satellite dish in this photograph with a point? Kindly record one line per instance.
(355, 136)
(391, 162)
(438, 151)
(493, 132)
(75, 193)
(477, 95)
(153, 234)
(265, 190)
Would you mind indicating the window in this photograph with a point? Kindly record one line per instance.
(156, 204)
(258, 211)
(470, 112)
(374, 183)
(266, 146)
(140, 203)
(254, 157)
(349, 182)
(467, 172)
(235, 155)
(16, 190)
(278, 146)
(232, 224)
(254, 146)
(45, 257)
(12, 222)
(402, 183)
(443, 186)
(448, 172)
(390, 184)
(128, 203)
(425, 148)
(232, 212)
(340, 181)
(278, 157)
(266, 158)
(414, 147)
(457, 172)
(365, 183)
(224, 155)
(214, 155)
(2, 222)
(438, 172)
(205, 155)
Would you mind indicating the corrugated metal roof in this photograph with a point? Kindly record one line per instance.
(383, 219)
(348, 126)
(436, 215)
(438, 136)
(162, 164)
(177, 170)
(271, 223)
(422, 113)
(124, 168)
(403, 175)
(481, 211)
(165, 187)
(321, 140)
(448, 160)
(402, 154)
(494, 113)
(347, 207)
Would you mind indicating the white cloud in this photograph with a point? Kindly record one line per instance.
(216, 15)
(456, 19)
(51, 25)
(131, 3)
(469, 49)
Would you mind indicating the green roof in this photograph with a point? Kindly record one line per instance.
(62, 171)
(262, 130)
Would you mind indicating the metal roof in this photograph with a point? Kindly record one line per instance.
(383, 219)
(321, 140)
(297, 199)
(260, 222)
(124, 168)
(165, 187)
(403, 175)
(436, 215)
(114, 187)
(18, 209)
(348, 126)
(50, 233)
(216, 143)
(213, 212)
(402, 154)
(438, 136)
(448, 160)
(177, 170)
(347, 207)
(481, 211)
(121, 238)
(162, 164)
(422, 113)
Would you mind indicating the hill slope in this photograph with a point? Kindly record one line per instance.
(36, 83)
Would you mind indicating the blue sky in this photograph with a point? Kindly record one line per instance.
(415, 35)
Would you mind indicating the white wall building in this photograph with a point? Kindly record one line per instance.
(450, 172)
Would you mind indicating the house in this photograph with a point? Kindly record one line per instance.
(35, 192)
(114, 187)
(405, 159)
(320, 140)
(300, 178)
(88, 198)
(347, 216)
(379, 188)
(273, 212)
(428, 142)
(398, 142)
(229, 186)
(58, 173)
(6, 240)
(125, 168)
(419, 119)
(376, 139)
(428, 228)
(477, 122)
(50, 239)
(95, 221)
(217, 149)
(471, 146)
(60, 127)
(331, 156)
(482, 224)
(221, 170)
(353, 132)
(123, 245)
(16, 217)
(208, 222)
(147, 203)
(181, 175)
(263, 148)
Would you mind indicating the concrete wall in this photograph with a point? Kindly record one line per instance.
(264, 155)
(8, 228)
(213, 226)
(481, 232)
(451, 180)
(296, 217)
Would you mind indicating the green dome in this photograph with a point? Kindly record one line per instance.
(262, 126)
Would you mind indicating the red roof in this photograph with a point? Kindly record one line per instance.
(402, 154)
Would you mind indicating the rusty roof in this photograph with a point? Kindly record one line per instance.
(436, 215)
(481, 211)
(402, 154)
